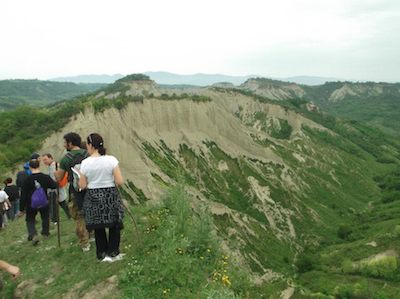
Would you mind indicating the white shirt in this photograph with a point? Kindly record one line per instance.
(99, 171)
(52, 170)
(3, 196)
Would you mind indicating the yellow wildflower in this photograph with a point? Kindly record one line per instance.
(225, 280)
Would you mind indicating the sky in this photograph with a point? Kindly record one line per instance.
(346, 39)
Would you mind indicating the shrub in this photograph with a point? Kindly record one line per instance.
(381, 268)
(348, 266)
(101, 104)
(390, 196)
(304, 263)
(397, 230)
(281, 131)
(120, 103)
(344, 232)
(350, 291)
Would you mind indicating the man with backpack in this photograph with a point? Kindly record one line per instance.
(34, 199)
(72, 159)
(62, 196)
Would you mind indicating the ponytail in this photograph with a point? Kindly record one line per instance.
(102, 150)
(97, 142)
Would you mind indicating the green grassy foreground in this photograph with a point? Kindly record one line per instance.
(173, 254)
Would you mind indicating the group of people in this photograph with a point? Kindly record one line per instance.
(89, 178)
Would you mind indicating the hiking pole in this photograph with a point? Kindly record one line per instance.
(58, 216)
(130, 215)
(58, 211)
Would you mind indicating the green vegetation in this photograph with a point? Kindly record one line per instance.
(184, 96)
(364, 264)
(281, 131)
(122, 85)
(173, 254)
(134, 77)
(24, 129)
(179, 256)
(275, 127)
(319, 212)
(389, 185)
(344, 232)
(100, 104)
(14, 93)
(375, 104)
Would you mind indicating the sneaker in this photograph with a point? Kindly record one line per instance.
(118, 257)
(107, 259)
(86, 248)
(35, 240)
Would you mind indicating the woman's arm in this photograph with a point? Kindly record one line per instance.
(118, 179)
(82, 181)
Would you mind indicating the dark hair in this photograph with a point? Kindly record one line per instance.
(34, 163)
(8, 181)
(97, 142)
(49, 156)
(35, 156)
(73, 138)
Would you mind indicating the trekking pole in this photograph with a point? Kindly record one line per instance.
(58, 212)
(58, 217)
(130, 215)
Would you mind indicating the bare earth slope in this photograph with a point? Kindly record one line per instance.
(270, 182)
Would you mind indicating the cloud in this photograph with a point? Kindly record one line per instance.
(288, 37)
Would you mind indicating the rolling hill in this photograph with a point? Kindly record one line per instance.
(39, 93)
(293, 196)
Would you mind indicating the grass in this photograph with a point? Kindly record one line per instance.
(341, 270)
(67, 266)
(339, 182)
(174, 254)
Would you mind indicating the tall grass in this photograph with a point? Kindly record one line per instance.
(180, 256)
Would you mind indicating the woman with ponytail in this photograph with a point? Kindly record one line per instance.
(100, 175)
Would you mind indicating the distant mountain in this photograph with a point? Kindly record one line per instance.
(160, 78)
(40, 93)
(377, 104)
(310, 80)
(105, 79)
(195, 79)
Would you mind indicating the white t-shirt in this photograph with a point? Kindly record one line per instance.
(99, 171)
(52, 170)
(3, 196)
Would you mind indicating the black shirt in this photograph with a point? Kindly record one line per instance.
(29, 186)
(12, 192)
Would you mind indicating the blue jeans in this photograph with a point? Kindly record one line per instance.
(14, 210)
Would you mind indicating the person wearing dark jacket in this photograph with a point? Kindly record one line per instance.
(13, 193)
(29, 186)
(22, 175)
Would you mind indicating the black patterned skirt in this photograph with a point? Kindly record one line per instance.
(103, 208)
